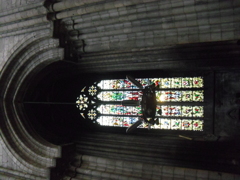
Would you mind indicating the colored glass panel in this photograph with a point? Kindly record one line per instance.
(197, 125)
(144, 81)
(116, 84)
(120, 89)
(187, 111)
(156, 81)
(184, 111)
(198, 96)
(165, 123)
(119, 95)
(179, 96)
(187, 82)
(176, 124)
(187, 124)
(116, 121)
(119, 110)
(92, 90)
(169, 110)
(165, 83)
(176, 82)
(198, 111)
(173, 124)
(187, 96)
(167, 96)
(92, 114)
(198, 82)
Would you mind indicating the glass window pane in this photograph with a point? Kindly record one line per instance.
(176, 124)
(187, 124)
(197, 125)
(176, 82)
(169, 110)
(168, 96)
(119, 110)
(198, 111)
(198, 96)
(187, 82)
(119, 95)
(198, 82)
(187, 96)
(165, 83)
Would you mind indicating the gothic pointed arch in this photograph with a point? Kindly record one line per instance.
(19, 140)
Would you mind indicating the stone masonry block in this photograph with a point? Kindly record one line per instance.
(227, 35)
(226, 19)
(204, 37)
(202, 174)
(168, 170)
(216, 36)
(178, 10)
(215, 20)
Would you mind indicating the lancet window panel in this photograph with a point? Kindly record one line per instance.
(180, 103)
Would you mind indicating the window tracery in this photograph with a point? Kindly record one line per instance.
(180, 102)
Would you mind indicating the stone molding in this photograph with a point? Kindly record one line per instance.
(32, 154)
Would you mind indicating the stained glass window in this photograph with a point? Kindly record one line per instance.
(179, 103)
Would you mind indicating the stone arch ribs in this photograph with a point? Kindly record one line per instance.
(120, 27)
(32, 154)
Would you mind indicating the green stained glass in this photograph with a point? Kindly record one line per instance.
(176, 124)
(198, 96)
(173, 124)
(177, 89)
(176, 82)
(198, 111)
(111, 96)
